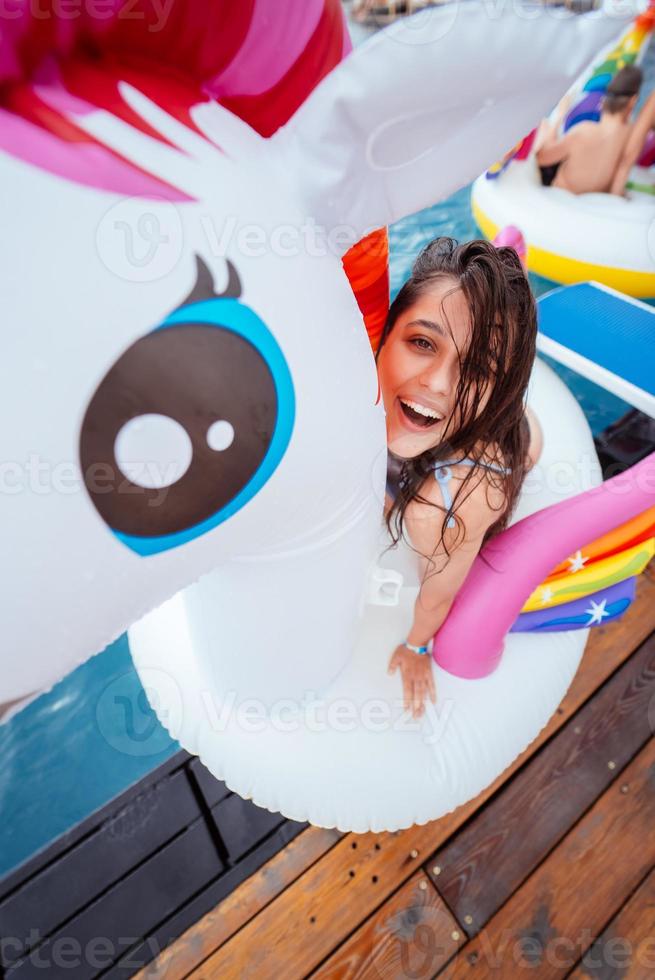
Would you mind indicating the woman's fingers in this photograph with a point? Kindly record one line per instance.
(417, 701)
(431, 688)
(423, 689)
(418, 683)
(408, 692)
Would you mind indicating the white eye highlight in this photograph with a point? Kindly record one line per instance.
(153, 451)
(220, 435)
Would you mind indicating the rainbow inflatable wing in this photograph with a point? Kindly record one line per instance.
(594, 585)
(523, 553)
(597, 609)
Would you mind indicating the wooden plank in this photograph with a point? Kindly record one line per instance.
(293, 934)
(59, 891)
(130, 909)
(198, 942)
(548, 924)
(547, 796)
(626, 948)
(607, 649)
(411, 935)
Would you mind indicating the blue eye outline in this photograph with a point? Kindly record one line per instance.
(230, 314)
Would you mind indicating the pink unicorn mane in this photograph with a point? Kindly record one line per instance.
(260, 66)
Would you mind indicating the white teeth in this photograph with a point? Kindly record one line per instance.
(421, 409)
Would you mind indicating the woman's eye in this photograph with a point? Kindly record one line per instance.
(422, 343)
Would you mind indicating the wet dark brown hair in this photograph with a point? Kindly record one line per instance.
(499, 357)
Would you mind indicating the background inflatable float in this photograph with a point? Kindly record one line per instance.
(574, 238)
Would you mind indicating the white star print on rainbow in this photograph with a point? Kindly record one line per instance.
(578, 562)
(597, 611)
(592, 577)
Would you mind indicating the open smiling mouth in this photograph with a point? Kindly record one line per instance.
(419, 414)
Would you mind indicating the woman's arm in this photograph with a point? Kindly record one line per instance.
(443, 577)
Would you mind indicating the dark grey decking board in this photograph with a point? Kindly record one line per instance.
(134, 875)
(73, 880)
(128, 910)
(240, 823)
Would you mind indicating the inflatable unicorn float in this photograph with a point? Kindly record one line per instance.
(196, 445)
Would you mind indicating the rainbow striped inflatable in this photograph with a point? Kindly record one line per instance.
(594, 585)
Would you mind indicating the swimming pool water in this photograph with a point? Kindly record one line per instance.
(94, 734)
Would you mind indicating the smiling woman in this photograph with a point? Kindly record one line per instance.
(453, 363)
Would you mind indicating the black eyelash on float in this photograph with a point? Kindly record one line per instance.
(204, 287)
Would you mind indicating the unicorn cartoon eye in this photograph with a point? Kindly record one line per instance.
(190, 421)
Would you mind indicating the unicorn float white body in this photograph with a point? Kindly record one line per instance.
(112, 452)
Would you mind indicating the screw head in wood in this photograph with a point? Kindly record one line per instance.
(436, 870)
(611, 765)
(422, 885)
(413, 853)
(468, 919)
(454, 935)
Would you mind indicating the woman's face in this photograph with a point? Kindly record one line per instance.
(418, 368)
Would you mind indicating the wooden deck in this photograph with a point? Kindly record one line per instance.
(548, 873)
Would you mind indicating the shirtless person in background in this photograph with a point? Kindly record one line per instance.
(587, 157)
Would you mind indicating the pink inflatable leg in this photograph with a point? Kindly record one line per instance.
(509, 568)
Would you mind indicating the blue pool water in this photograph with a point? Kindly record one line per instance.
(93, 735)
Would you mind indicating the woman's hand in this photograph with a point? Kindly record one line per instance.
(418, 682)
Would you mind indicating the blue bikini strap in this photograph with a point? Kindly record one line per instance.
(443, 475)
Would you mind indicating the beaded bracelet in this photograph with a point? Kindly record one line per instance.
(410, 646)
